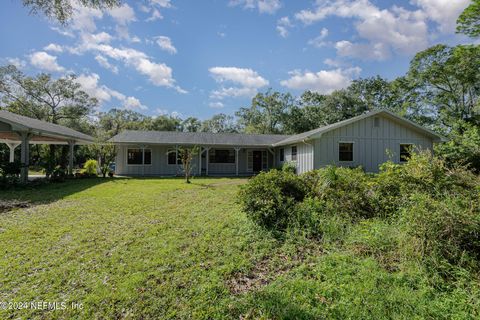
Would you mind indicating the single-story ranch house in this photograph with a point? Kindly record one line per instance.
(367, 140)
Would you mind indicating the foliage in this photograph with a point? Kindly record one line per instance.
(220, 123)
(269, 199)
(186, 155)
(90, 167)
(289, 166)
(10, 172)
(469, 21)
(57, 174)
(62, 10)
(105, 151)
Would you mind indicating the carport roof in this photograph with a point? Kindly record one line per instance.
(43, 132)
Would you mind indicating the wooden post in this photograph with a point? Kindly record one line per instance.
(176, 159)
(24, 157)
(12, 146)
(236, 160)
(200, 161)
(143, 160)
(71, 145)
(207, 161)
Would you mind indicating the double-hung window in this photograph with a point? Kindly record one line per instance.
(282, 154)
(172, 155)
(294, 153)
(139, 156)
(345, 151)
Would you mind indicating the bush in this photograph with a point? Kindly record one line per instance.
(58, 174)
(90, 167)
(289, 166)
(343, 191)
(442, 231)
(269, 199)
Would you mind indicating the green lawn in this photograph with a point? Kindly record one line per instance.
(159, 248)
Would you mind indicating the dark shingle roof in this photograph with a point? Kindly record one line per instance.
(197, 138)
(42, 127)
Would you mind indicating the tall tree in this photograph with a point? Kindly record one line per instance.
(469, 21)
(116, 120)
(220, 123)
(44, 98)
(445, 85)
(62, 10)
(266, 113)
(191, 124)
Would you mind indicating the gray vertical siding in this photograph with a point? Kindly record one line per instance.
(304, 160)
(160, 166)
(372, 146)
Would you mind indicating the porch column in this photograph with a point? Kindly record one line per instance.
(71, 145)
(200, 151)
(176, 159)
(24, 156)
(236, 160)
(208, 150)
(12, 146)
(143, 160)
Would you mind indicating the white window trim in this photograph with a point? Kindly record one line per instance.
(138, 165)
(229, 163)
(353, 151)
(399, 155)
(173, 164)
(291, 153)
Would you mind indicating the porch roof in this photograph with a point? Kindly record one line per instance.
(197, 138)
(42, 132)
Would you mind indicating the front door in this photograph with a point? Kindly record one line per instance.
(257, 161)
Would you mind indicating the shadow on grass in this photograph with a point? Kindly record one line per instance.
(50, 192)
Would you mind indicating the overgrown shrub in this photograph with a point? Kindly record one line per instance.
(90, 167)
(269, 199)
(442, 232)
(343, 190)
(289, 166)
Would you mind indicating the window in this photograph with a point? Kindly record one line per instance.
(345, 151)
(135, 156)
(221, 156)
(294, 153)
(405, 150)
(282, 154)
(171, 157)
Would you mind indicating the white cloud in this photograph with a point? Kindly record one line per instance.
(106, 64)
(90, 84)
(241, 76)
(162, 3)
(396, 28)
(363, 51)
(133, 103)
(156, 15)
(243, 82)
(165, 43)
(123, 14)
(318, 41)
(263, 6)
(53, 47)
(44, 61)
(443, 12)
(283, 26)
(83, 18)
(323, 81)
(216, 105)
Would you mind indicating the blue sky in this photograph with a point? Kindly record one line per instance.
(198, 58)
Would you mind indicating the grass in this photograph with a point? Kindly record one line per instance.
(159, 248)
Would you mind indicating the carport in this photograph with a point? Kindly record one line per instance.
(17, 130)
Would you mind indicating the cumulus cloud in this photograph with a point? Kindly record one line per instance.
(263, 6)
(83, 18)
(17, 62)
(323, 81)
(283, 26)
(241, 82)
(106, 64)
(165, 43)
(53, 48)
(90, 84)
(123, 14)
(319, 40)
(363, 51)
(216, 105)
(443, 12)
(398, 29)
(45, 61)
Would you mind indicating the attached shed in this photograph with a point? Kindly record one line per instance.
(367, 140)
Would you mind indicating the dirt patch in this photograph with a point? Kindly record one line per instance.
(264, 272)
(7, 205)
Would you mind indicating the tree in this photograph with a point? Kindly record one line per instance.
(469, 20)
(220, 123)
(186, 155)
(116, 120)
(104, 151)
(266, 113)
(62, 10)
(191, 124)
(376, 93)
(444, 85)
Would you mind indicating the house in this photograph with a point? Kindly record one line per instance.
(367, 140)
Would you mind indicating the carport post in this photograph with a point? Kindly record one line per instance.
(24, 156)
(71, 145)
(12, 146)
(236, 160)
